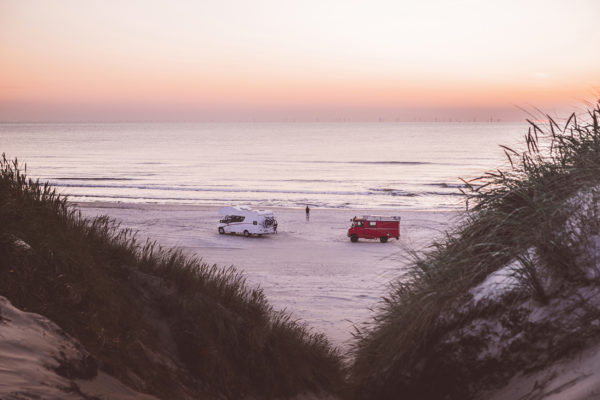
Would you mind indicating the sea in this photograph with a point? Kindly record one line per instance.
(374, 165)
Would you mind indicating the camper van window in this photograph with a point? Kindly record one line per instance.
(232, 218)
(372, 224)
(359, 223)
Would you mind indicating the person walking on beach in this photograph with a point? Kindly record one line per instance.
(307, 213)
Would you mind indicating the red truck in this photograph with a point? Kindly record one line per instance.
(374, 227)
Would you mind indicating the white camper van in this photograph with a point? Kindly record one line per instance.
(246, 221)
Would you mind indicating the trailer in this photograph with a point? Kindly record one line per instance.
(246, 221)
(374, 227)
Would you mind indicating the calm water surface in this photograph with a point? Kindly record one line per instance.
(340, 165)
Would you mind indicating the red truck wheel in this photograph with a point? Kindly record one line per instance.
(383, 239)
(354, 238)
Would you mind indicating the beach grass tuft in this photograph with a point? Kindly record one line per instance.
(161, 321)
(539, 215)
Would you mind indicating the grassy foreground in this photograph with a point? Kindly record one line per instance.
(161, 322)
(539, 221)
(169, 325)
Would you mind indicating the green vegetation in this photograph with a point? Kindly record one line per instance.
(168, 324)
(161, 322)
(430, 339)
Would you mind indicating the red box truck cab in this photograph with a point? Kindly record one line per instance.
(374, 227)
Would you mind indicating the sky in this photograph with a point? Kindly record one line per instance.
(71, 60)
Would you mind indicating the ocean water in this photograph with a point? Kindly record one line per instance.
(334, 165)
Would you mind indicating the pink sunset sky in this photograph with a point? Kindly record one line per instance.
(71, 60)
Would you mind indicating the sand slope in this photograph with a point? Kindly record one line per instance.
(39, 360)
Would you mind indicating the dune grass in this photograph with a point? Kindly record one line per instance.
(162, 322)
(169, 324)
(526, 205)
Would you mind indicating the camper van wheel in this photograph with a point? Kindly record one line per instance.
(383, 239)
(221, 231)
(246, 233)
(354, 238)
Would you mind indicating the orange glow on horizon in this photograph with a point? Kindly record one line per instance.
(71, 83)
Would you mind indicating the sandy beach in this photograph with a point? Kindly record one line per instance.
(311, 269)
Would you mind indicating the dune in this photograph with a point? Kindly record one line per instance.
(38, 360)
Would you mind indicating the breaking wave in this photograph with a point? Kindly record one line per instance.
(374, 162)
(82, 183)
